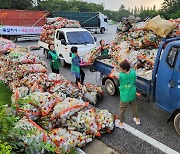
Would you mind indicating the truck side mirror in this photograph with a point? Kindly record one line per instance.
(95, 39)
(63, 42)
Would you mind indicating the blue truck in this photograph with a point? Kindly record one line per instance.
(163, 88)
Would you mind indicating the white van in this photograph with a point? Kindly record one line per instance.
(65, 38)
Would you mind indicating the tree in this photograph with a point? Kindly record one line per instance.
(170, 9)
(138, 11)
(122, 7)
(129, 9)
(16, 4)
(71, 5)
(146, 13)
(167, 3)
(141, 9)
(135, 10)
(148, 8)
(154, 7)
(175, 15)
(132, 11)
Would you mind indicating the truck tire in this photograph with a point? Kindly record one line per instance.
(110, 87)
(63, 62)
(13, 38)
(177, 123)
(102, 30)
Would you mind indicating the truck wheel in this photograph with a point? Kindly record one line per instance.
(13, 38)
(177, 123)
(63, 62)
(110, 87)
(102, 30)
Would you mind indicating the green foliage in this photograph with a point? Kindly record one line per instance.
(24, 101)
(150, 13)
(5, 148)
(175, 15)
(72, 151)
(7, 122)
(48, 147)
(81, 6)
(71, 5)
(170, 9)
(16, 4)
(5, 94)
(116, 15)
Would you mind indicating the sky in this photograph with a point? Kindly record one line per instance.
(115, 4)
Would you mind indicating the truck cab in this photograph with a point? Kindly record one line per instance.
(104, 25)
(167, 85)
(65, 38)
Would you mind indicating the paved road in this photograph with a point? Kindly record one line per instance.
(152, 118)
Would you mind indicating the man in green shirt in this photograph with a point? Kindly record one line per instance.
(127, 88)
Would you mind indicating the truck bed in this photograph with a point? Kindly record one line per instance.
(143, 85)
(43, 44)
(86, 19)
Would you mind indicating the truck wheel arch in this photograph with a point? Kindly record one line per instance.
(63, 62)
(173, 115)
(102, 30)
(177, 123)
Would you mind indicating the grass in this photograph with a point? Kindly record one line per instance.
(5, 94)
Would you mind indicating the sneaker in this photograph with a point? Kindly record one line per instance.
(118, 124)
(121, 125)
(137, 121)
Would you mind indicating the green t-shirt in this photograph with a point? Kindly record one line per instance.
(56, 63)
(104, 52)
(127, 86)
(74, 68)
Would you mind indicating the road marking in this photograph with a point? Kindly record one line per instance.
(150, 140)
(80, 151)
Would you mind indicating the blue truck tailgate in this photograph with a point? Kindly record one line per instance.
(142, 84)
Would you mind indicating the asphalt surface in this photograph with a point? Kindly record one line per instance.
(153, 120)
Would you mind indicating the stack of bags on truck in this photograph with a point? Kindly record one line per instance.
(139, 45)
(50, 27)
(49, 113)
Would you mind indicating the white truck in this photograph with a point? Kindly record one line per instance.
(65, 38)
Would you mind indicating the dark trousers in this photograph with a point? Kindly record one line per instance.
(123, 107)
(81, 80)
(55, 70)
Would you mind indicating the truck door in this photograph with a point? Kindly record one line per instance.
(175, 80)
(167, 78)
(59, 46)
